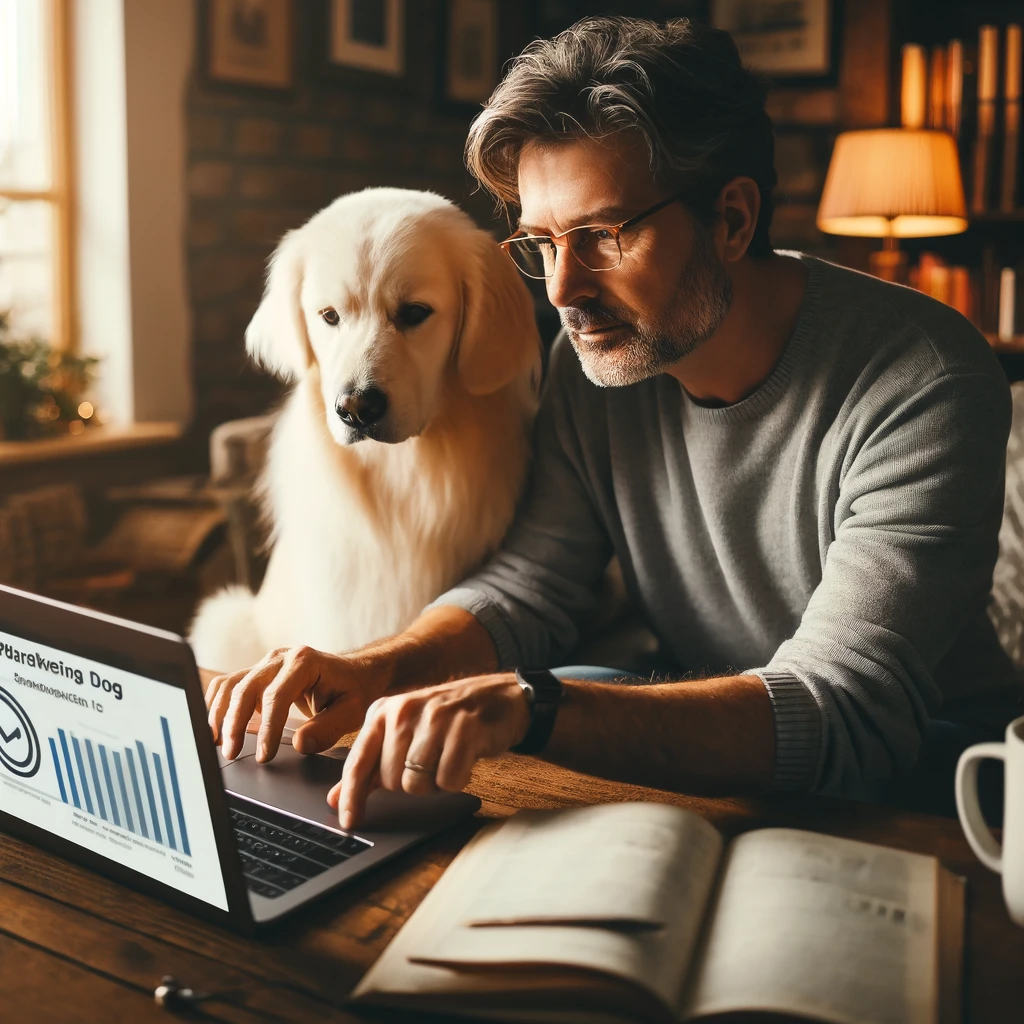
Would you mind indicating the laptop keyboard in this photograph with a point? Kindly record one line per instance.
(280, 852)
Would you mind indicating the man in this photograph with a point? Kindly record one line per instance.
(799, 469)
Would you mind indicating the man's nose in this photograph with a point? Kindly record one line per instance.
(362, 408)
(571, 281)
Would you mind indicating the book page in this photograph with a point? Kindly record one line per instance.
(617, 864)
(399, 981)
(441, 960)
(812, 925)
(589, 867)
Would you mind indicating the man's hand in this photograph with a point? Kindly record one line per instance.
(445, 730)
(333, 691)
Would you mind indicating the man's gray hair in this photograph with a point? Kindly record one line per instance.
(680, 87)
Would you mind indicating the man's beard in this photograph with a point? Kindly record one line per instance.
(640, 349)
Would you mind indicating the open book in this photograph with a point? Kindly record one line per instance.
(641, 912)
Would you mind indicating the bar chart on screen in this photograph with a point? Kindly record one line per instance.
(108, 760)
(132, 787)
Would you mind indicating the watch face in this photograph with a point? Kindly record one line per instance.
(546, 687)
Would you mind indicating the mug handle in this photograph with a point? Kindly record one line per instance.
(978, 834)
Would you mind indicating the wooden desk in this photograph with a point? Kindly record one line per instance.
(75, 947)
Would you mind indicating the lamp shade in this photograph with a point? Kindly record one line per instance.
(893, 182)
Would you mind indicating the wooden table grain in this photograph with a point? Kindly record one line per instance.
(75, 947)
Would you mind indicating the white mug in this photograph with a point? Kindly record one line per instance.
(1008, 859)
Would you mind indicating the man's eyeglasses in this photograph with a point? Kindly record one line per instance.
(595, 246)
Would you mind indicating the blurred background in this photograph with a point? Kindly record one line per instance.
(152, 154)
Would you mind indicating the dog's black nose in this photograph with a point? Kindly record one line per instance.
(362, 408)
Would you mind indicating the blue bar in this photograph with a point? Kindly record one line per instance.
(60, 775)
(144, 765)
(174, 786)
(124, 791)
(163, 800)
(81, 773)
(138, 795)
(110, 786)
(71, 774)
(96, 780)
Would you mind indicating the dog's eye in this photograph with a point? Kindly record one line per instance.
(330, 315)
(412, 314)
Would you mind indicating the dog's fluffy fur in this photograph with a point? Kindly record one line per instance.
(371, 524)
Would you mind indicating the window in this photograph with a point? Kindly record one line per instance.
(35, 189)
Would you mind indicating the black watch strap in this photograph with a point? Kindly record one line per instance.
(543, 692)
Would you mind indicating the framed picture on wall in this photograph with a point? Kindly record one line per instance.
(471, 50)
(368, 34)
(792, 39)
(250, 42)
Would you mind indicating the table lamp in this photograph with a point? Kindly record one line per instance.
(893, 183)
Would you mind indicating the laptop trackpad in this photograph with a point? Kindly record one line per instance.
(299, 783)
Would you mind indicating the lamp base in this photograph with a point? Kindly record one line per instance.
(889, 265)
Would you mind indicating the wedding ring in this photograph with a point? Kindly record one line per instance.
(415, 766)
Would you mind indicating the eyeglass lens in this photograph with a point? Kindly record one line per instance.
(595, 248)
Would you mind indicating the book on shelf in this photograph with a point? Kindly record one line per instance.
(985, 125)
(1006, 330)
(960, 291)
(913, 87)
(988, 298)
(643, 912)
(954, 87)
(968, 112)
(937, 88)
(1009, 182)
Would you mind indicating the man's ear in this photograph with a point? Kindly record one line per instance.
(739, 204)
(498, 337)
(276, 336)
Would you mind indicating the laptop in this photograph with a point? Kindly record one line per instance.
(106, 759)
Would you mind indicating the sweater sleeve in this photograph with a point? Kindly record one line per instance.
(916, 524)
(541, 587)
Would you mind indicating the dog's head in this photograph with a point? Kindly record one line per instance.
(392, 296)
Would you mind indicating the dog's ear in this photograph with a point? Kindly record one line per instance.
(276, 336)
(498, 338)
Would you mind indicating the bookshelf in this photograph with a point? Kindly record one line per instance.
(994, 239)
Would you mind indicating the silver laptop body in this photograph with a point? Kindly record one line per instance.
(106, 758)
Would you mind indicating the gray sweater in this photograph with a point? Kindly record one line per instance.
(833, 533)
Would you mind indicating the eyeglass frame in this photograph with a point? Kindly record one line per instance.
(616, 229)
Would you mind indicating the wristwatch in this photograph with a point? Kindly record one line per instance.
(543, 692)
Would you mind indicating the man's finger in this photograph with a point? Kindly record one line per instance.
(335, 792)
(210, 690)
(361, 766)
(461, 751)
(245, 696)
(220, 700)
(424, 750)
(402, 722)
(320, 732)
(298, 674)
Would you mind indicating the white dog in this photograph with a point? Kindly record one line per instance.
(397, 460)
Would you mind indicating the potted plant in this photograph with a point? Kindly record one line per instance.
(41, 390)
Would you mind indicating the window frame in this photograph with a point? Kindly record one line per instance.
(60, 194)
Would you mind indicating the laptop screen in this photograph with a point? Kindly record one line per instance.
(106, 759)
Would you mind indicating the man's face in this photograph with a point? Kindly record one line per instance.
(669, 294)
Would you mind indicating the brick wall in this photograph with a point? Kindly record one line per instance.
(260, 163)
